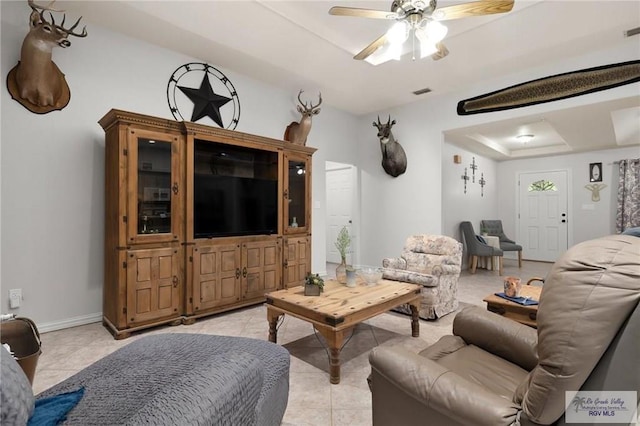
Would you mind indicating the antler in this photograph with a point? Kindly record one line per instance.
(309, 107)
(41, 9)
(319, 101)
(70, 30)
(35, 6)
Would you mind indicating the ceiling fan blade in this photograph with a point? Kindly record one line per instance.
(441, 53)
(364, 53)
(362, 13)
(476, 8)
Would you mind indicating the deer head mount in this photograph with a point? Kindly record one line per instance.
(37, 82)
(394, 159)
(297, 132)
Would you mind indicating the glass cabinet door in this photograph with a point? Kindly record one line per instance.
(297, 195)
(154, 187)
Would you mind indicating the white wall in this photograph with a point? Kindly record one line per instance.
(587, 219)
(392, 209)
(475, 205)
(52, 168)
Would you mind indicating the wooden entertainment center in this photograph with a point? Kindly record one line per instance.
(199, 220)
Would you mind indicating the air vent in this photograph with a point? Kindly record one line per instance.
(422, 91)
(632, 32)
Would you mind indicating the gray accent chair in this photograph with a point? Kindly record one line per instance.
(495, 371)
(494, 227)
(477, 249)
(181, 379)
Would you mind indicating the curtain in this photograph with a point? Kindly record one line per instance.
(628, 213)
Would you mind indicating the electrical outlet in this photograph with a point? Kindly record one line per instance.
(15, 296)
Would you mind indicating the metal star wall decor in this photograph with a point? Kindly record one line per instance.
(215, 98)
(465, 177)
(205, 102)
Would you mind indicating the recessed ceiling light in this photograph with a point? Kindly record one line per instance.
(525, 138)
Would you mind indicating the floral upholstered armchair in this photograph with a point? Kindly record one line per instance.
(432, 261)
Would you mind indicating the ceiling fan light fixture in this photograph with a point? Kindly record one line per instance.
(413, 17)
(398, 33)
(427, 46)
(396, 36)
(436, 31)
(427, 49)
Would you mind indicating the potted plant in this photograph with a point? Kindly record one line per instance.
(342, 244)
(313, 285)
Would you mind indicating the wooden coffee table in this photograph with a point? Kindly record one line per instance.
(523, 314)
(339, 308)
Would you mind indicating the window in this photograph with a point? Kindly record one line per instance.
(542, 185)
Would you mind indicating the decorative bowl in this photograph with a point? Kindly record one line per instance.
(370, 274)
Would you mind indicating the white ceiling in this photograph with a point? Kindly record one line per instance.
(297, 44)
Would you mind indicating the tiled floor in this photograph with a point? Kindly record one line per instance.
(312, 400)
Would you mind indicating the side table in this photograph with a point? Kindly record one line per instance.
(524, 314)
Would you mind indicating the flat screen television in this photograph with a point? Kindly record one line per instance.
(235, 191)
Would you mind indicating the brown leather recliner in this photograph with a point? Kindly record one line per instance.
(495, 371)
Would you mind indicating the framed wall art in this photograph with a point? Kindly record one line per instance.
(595, 172)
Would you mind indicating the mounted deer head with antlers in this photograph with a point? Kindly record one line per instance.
(297, 132)
(37, 82)
(394, 159)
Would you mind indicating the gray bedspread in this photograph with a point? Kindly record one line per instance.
(183, 379)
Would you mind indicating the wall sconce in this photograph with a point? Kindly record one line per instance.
(457, 159)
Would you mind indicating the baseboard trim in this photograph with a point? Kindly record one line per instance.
(69, 322)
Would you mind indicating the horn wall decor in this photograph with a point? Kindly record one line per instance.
(553, 88)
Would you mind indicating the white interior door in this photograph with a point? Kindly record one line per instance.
(543, 215)
(339, 189)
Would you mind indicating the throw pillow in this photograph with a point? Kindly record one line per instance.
(17, 400)
(632, 231)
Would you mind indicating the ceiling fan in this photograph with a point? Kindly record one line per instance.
(422, 18)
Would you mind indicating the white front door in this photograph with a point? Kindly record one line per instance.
(339, 189)
(543, 215)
